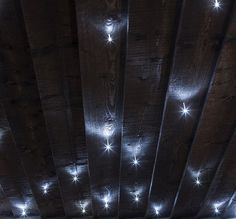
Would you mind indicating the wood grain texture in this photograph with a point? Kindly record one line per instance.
(13, 178)
(213, 133)
(51, 27)
(102, 72)
(150, 44)
(21, 103)
(197, 44)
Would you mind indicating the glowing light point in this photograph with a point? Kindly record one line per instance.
(106, 201)
(157, 212)
(45, 188)
(106, 205)
(75, 178)
(23, 213)
(135, 162)
(83, 210)
(217, 4)
(109, 39)
(198, 182)
(136, 199)
(108, 147)
(185, 110)
(217, 210)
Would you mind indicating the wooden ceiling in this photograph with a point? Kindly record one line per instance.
(92, 100)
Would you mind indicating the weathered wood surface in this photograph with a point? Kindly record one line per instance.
(151, 34)
(197, 47)
(102, 70)
(21, 102)
(52, 34)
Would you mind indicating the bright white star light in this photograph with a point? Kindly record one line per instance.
(217, 4)
(45, 188)
(109, 38)
(185, 110)
(75, 178)
(135, 162)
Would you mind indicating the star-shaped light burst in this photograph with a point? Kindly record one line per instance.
(45, 188)
(185, 110)
(135, 162)
(217, 4)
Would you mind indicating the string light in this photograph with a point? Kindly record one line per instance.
(197, 180)
(216, 208)
(136, 199)
(83, 208)
(108, 130)
(185, 110)
(75, 178)
(157, 212)
(135, 161)
(106, 199)
(45, 188)
(24, 210)
(157, 209)
(109, 38)
(217, 4)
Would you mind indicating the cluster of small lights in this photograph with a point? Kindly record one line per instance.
(108, 131)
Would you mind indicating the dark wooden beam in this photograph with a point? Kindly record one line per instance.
(21, 103)
(5, 206)
(102, 69)
(13, 179)
(223, 185)
(52, 31)
(152, 27)
(196, 47)
(213, 133)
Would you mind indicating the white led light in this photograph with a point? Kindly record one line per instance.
(106, 200)
(109, 38)
(45, 188)
(198, 182)
(217, 4)
(157, 211)
(217, 211)
(135, 162)
(75, 178)
(185, 110)
(83, 211)
(24, 211)
(136, 198)
(108, 147)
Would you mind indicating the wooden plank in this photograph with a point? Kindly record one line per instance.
(21, 102)
(151, 37)
(199, 39)
(229, 211)
(13, 179)
(52, 31)
(102, 69)
(213, 132)
(223, 185)
(5, 207)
